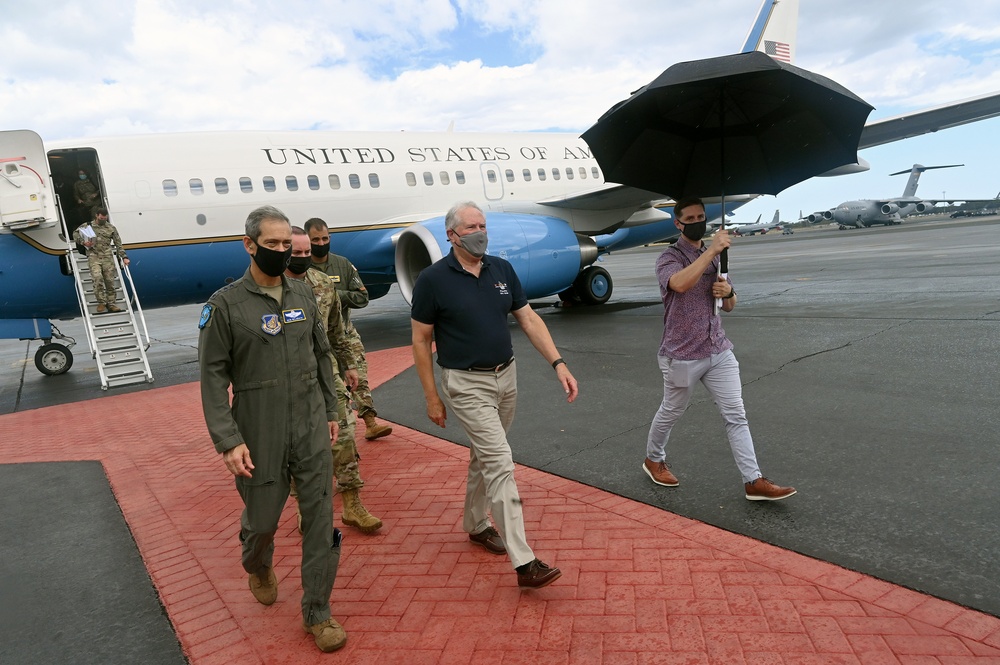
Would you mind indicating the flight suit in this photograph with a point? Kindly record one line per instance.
(100, 258)
(353, 295)
(276, 358)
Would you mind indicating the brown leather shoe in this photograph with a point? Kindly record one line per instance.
(659, 473)
(264, 586)
(763, 489)
(329, 635)
(536, 575)
(490, 539)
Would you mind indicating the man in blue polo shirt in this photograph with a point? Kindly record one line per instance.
(462, 302)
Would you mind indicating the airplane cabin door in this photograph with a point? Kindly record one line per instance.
(492, 182)
(27, 199)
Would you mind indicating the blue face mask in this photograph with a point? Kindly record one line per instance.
(83, 177)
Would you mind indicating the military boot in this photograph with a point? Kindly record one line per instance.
(356, 515)
(372, 429)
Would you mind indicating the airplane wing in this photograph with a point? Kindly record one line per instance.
(607, 197)
(908, 125)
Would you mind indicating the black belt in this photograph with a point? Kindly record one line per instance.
(497, 368)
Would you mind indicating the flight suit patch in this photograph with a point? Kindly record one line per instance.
(206, 316)
(292, 315)
(335, 279)
(270, 324)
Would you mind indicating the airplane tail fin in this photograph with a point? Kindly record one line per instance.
(777, 218)
(774, 30)
(915, 171)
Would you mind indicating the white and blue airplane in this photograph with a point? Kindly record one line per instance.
(180, 201)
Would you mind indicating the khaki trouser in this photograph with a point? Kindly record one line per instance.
(484, 403)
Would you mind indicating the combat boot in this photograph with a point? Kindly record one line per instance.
(356, 515)
(372, 429)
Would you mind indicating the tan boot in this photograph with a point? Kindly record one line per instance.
(101, 308)
(329, 635)
(372, 429)
(264, 586)
(356, 515)
(298, 515)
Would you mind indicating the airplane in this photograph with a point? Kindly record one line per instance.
(180, 201)
(757, 227)
(890, 211)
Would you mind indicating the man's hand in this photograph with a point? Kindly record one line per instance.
(721, 288)
(567, 381)
(334, 430)
(351, 378)
(436, 411)
(125, 261)
(238, 461)
(720, 241)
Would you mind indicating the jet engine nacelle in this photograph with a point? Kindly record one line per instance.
(889, 208)
(817, 217)
(545, 252)
(923, 206)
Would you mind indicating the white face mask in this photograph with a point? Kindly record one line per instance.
(474, 243)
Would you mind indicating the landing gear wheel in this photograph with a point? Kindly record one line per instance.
(53, 359)
(593, 286)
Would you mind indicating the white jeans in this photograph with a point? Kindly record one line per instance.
(484, 403)
(721, 375)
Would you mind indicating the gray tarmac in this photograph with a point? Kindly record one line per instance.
(869, 367)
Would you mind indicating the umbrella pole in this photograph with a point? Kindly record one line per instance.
(723, 258)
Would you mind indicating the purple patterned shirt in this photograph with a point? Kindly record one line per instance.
(690, 330)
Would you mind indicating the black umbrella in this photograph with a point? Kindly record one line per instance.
(739, 124)
(742, 124)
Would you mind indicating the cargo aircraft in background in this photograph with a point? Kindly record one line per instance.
(870, 212)
(180, 202)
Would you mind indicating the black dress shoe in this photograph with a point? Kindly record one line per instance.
(490, 539)
(536, 574)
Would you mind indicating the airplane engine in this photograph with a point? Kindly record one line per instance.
(889, 208)
(544, 251)
(817, 217)
(924, 206)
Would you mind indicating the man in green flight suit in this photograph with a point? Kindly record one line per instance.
(353, 295)
(345, 449)
(262, 336)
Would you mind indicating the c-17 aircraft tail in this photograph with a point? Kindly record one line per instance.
(915, 171)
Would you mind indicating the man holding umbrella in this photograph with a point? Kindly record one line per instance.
(695, 348)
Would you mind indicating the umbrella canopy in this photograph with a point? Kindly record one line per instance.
(739, 124)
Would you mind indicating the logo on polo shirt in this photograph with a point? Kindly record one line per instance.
(502, 288)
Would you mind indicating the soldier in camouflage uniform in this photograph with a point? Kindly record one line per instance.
(101, 251)
(353, 295)
(345, 450)
(87, 197)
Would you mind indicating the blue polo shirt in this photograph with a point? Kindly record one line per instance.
(469, 313)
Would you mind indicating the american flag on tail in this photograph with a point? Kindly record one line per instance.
(778, 51)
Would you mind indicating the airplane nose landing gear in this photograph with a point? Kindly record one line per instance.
(52, 359)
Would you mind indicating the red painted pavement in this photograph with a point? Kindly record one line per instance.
(640, 585)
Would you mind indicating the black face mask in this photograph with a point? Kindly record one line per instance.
(299, 264)
(320, 251)
(695, 231)
(271, 262)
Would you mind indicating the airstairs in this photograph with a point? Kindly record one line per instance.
(118, 341)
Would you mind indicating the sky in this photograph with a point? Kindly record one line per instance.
(112, 67)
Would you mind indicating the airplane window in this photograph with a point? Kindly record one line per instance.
(222, 185)
(354, 180)
(197, 188)
(526, 173)
(313, 182)
(583, 173)
(170, 188)
(569, 172)
(428, 178)
(595, 172)
(460, 177)
(411, 179)
(373, 180)
(541, 174)
(334, 182)
(246, 185)
(445, 179)
(269, 184)
(491, 175)
(555, 174)
(291, 183)
(510, 175)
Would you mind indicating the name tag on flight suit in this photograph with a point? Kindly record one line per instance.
(292, 315)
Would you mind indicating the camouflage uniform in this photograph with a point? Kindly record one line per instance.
(353, 295)
(87, 196)
(100, 256)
